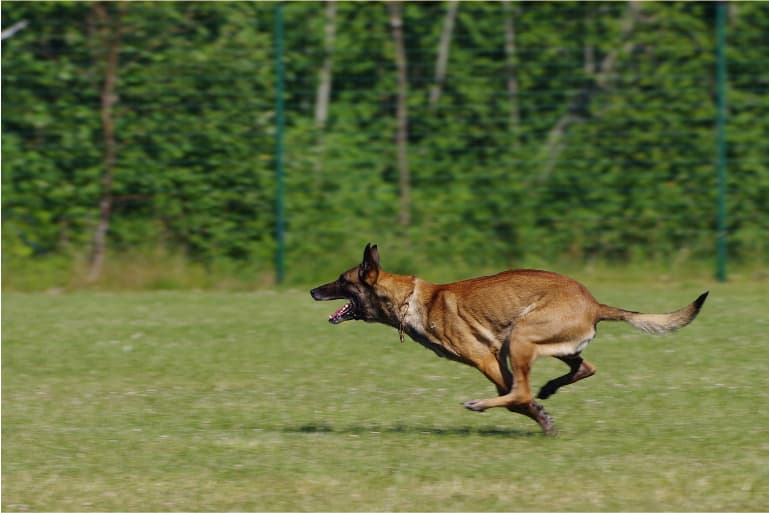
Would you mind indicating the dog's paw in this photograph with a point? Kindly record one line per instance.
(475, 405)
(545, 421)
(548, 426)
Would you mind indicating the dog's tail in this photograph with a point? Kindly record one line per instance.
(654, 323)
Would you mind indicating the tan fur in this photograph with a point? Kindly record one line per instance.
(498, 324)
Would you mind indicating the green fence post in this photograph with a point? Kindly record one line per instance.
(280, 220)
(721, 241)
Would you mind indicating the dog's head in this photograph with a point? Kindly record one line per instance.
(356, 286)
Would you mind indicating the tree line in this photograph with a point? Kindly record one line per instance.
(468, 133)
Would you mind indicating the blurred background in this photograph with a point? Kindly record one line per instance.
(258, 146)
(207, 144)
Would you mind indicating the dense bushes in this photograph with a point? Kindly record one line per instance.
(562, 130)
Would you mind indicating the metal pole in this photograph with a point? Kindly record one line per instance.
(280, 220)
(721, 241)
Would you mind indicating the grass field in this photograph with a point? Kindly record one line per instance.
(252, 401)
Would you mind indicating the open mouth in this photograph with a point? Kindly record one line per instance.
(346, 313)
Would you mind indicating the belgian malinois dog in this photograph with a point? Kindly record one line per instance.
(515, 316)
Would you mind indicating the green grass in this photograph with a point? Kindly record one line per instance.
(251, 401)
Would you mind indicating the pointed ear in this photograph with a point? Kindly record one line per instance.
(368, 271)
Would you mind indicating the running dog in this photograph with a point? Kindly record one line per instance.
(498, 324)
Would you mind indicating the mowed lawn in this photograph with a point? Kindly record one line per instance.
(219, 401)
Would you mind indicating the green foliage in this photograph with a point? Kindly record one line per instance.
(610, 155)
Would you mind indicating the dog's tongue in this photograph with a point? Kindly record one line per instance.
(337, 317)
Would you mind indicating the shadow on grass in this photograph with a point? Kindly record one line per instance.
(412, 430)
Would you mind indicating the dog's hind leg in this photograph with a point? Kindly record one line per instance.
(578, 369)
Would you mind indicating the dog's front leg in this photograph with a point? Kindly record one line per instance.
(495, 371)
(515, 390)
(521, 356)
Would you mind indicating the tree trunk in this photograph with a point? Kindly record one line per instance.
(324, 77)
(11, 31)
(514, 117)
(109, 33)
(443, 52)
(396, 23)
(573, 114)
